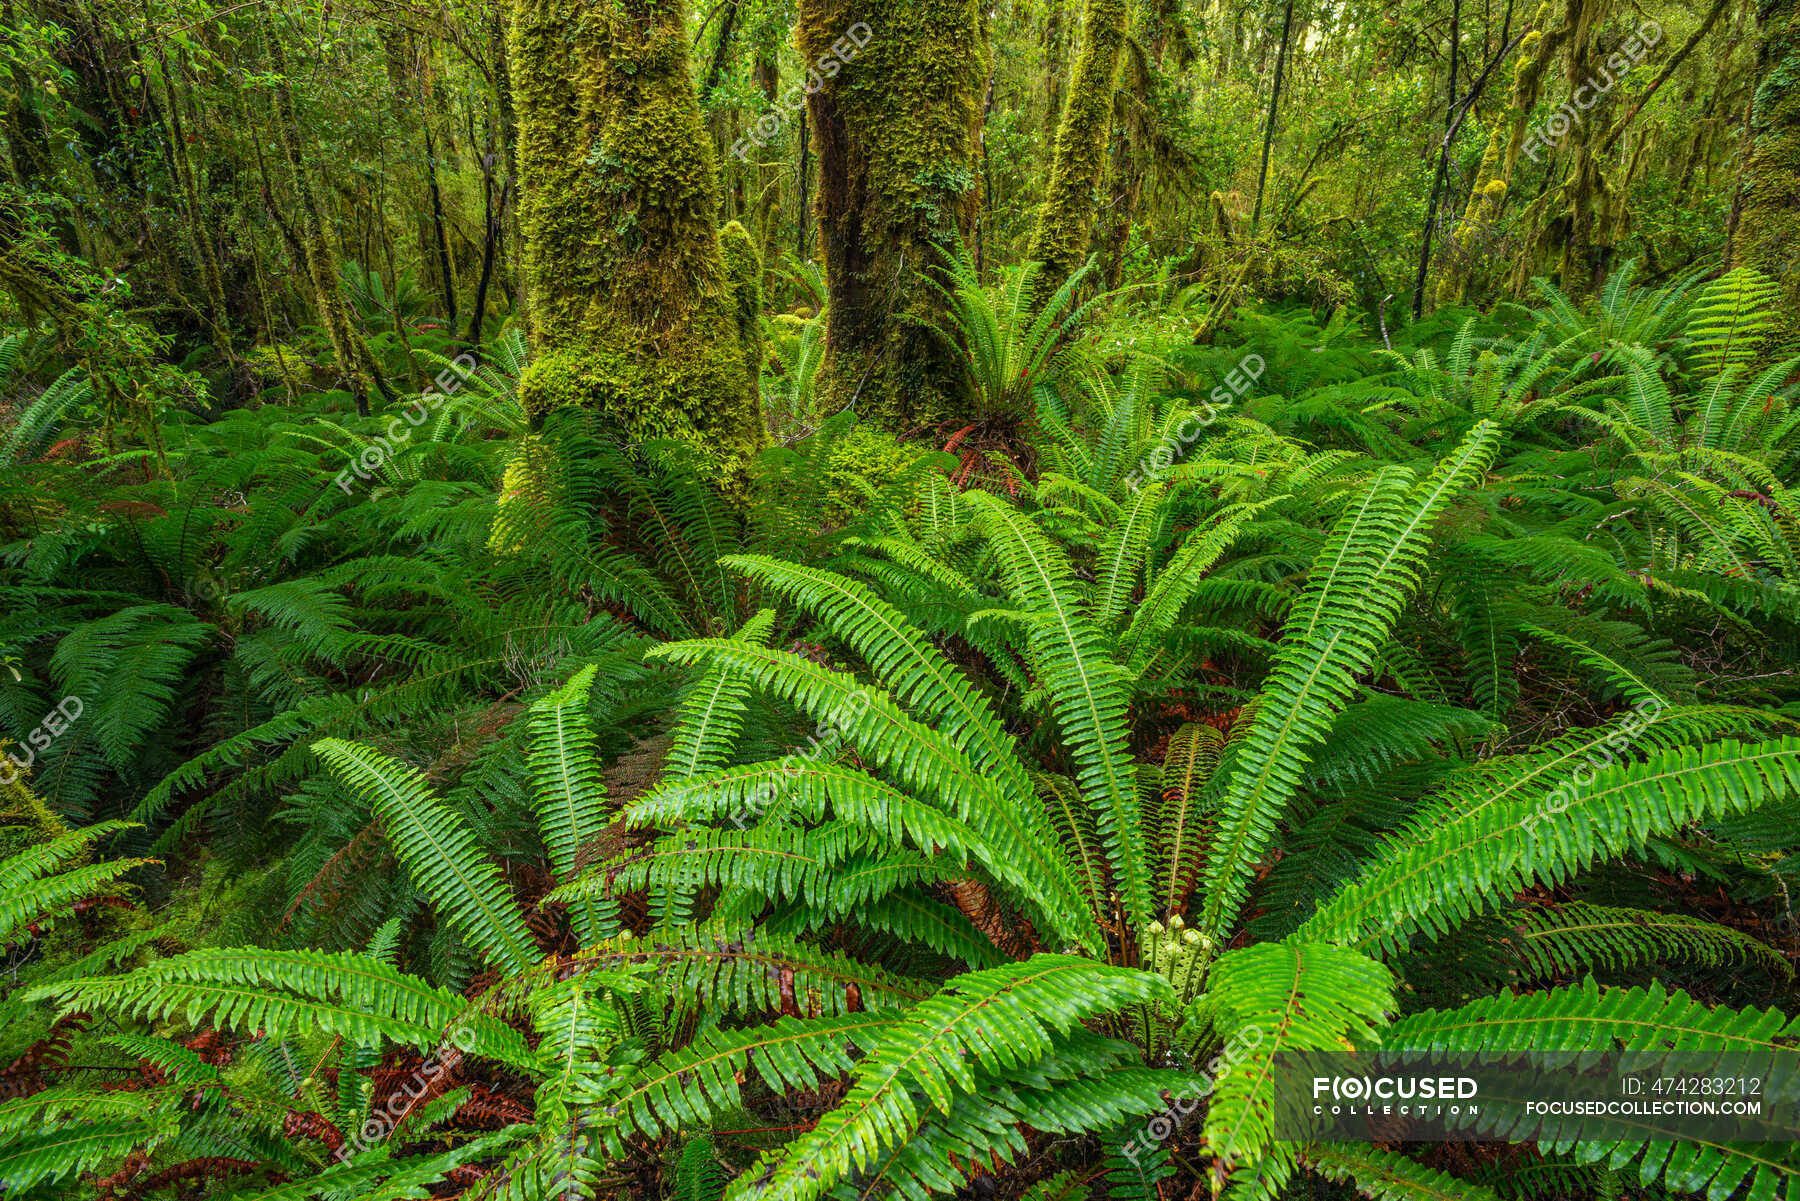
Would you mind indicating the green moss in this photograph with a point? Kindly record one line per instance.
(860, 464)
(25, 820)
(1499, 159)
(897, 130)
(743, 267)
(631, 309)
(693, 389)
(1768, 228)
(354, 358)
(229, 905)
(1066, 221)
(785, 330)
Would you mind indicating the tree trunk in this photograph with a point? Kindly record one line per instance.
(1498, 161)
(1281, 55)
(493, 221)
(439, 237)
(501, 54)
(1066, 222)
(630, 308)
(1451, 124)
(354, 360)
(896, 130)
(1586, 189)
(1767, 236)
(200, 229)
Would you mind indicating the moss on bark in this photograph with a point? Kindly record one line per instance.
(896, 124)
(354, 359)
(1066, 222)
(631, 311)
(743, 267)
(1768, 228)
(1499, 160)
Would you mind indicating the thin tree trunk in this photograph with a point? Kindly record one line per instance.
(1451, 121)
(354, 359)
(440, 239)
(1262, 174)
(802, 181)
(489, 248)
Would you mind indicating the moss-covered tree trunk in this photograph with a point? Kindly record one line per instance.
(1066, 222)
(1499, 160)
(896, 117)
(1767, 236)
(631, 309)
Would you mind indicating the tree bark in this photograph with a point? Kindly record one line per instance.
(630, 308)
(1281, 55)
(1066, 222)
(896, 133)
(354, 360)
(1767, 236)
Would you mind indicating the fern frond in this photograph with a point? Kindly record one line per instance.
(684, 1089)
(1353, 595)
(1731, 318)
(921, 758)
(567, 791)
(1574, 938)
(1457, 858)
(292, 993)
(747, 970)
(1593, 1020)
(1085, 693)
(1294, 996)
(1383, 1175)
(45, 1156)
(1005, 1017)
(1178, 830)
(710, 719)
(438, 849)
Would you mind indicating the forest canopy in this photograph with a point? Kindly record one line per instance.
(765, 601)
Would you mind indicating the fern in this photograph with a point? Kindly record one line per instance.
(292, 992)
(1731, 318)
(1005, 1017)
(1538, 823)
(567, 791)
(1570, 939)
(1383, 1175)
(1587, 1018)
(1353, 594)
(1294, 996)
(1085, 692)
(438, 850)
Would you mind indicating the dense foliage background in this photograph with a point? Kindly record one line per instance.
(611, 599)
